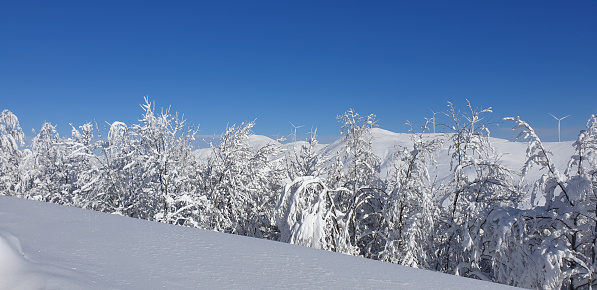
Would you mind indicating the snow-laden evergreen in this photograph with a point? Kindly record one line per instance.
(454, 201)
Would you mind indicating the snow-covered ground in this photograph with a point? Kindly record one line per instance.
(47, 246)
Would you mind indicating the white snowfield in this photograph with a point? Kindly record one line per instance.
(48, 246)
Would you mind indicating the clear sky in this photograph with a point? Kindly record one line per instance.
(225, 62)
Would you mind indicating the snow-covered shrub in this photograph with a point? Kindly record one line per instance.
(468, 223)
(306, 213)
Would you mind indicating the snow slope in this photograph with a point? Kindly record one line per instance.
(47, 246)
(386, 143)
(513, 154)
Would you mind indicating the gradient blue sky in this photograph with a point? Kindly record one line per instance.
(225, 62)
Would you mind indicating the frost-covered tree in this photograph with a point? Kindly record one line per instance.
(167, 160)
(11, 136)
(145, 170)
(242, 185)
(114, 182)
(356, 165)
(554, 244)
(584, 162)
(358, 188)
(50, 176)
(304, 215)
(81, 156)
(582, 185)
(78, 160)
(305, 161)
(411, 209)
(479, 183)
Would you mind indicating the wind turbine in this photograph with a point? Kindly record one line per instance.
(433, 119)
(295, 127)
(559, 120)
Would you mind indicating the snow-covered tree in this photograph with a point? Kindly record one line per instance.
(479, 183)
(358, 188)
(554, 244)
(144, 170)
(113, 183)
(411, 210)
(242, 185)
(305, 161)
(584, 162)
(50, 173)
(79, 159)
(165, 147)
(582, 185)
(11, 136)
(304, 214)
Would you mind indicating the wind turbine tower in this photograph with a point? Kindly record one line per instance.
(559, 120)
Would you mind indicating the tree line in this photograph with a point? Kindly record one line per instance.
(473, 224)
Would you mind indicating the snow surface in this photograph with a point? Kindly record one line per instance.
(48, 246)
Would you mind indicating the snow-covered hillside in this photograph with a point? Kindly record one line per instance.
(386, 144)
(47, 246)
(456, 203)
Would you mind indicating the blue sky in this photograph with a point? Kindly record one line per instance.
(225, 62)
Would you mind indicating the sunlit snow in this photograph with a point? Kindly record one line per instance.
(47, 246)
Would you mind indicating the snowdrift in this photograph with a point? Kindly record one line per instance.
(47, 246)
